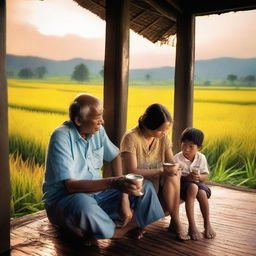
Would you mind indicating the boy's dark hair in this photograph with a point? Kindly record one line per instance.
(194, 135)
(154, 116)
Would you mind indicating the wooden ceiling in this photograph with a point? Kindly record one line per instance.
(156, 19)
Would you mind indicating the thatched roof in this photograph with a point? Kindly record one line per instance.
(156, 19)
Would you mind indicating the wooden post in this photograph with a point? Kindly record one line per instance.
(116, 68)
(4, 148)
(184, 75)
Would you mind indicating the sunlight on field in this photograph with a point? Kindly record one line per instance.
(226, 95)
(34, 126)
(140, 97)
(216, 120)
(227, 117)
(50, 96)
(221, 120)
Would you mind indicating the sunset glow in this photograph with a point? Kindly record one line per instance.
(55, 25)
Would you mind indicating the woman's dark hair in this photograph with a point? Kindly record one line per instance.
(194, 135)
(154, 116)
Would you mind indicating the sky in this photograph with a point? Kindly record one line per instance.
(62, 30)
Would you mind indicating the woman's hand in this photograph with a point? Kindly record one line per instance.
(172, 170)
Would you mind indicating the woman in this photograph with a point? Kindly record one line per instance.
(144, 149)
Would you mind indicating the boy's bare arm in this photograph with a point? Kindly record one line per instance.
(204, 177)
(195, 177)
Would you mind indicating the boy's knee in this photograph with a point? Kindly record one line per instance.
(202, 193)
(192, 189)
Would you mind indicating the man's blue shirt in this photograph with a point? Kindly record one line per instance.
(70, 156)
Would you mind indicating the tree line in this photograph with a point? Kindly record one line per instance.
(80, 73)
(250, 79)
(27, 73)
(232, 79)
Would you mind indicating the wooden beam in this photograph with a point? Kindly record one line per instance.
(116, 68)
(175, 4)
(5, 191)
(184, 74)
(218, 7)
(163, 8)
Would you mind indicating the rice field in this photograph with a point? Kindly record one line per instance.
(226, 115)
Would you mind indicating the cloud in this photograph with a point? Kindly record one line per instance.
(23, 39)
(33, 26)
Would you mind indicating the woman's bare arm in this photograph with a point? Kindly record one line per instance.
(130, 165)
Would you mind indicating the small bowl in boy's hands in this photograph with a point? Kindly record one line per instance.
(195, 173)
(171, 169)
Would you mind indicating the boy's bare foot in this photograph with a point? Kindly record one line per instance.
(195, 234)
(179, 231)
(209, 232)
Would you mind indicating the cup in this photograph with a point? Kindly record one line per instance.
(195, 169)
(169, 164)
(172, 168)
(138, 181)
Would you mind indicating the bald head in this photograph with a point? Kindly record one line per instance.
(83, 105)
(87, 99)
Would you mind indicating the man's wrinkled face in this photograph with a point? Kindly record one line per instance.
(91, 123)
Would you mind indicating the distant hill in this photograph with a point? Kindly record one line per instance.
(162, 73)
(211, 69)
(54, 67)
(220, 68)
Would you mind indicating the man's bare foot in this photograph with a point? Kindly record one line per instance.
(195, 234)
(137, 233)
(179, 231)
(89, 242)
(209, 232)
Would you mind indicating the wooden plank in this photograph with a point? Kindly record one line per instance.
(25, 220)
(184, 75)
(5, 190)
(232, 215)
(231, 187)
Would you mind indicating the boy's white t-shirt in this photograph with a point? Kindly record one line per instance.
(199, 161)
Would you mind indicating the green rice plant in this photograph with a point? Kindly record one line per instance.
(226, 170)
(27, 148)
(250, 166)
(250, 172)
(26, 186)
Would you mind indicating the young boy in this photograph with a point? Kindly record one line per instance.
(194, 173)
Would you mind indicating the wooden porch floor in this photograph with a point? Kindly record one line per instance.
(233, 215)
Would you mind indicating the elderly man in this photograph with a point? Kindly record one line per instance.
(75, 194)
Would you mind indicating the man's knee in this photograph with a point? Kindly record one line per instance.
(148, 188)
(91, 219)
